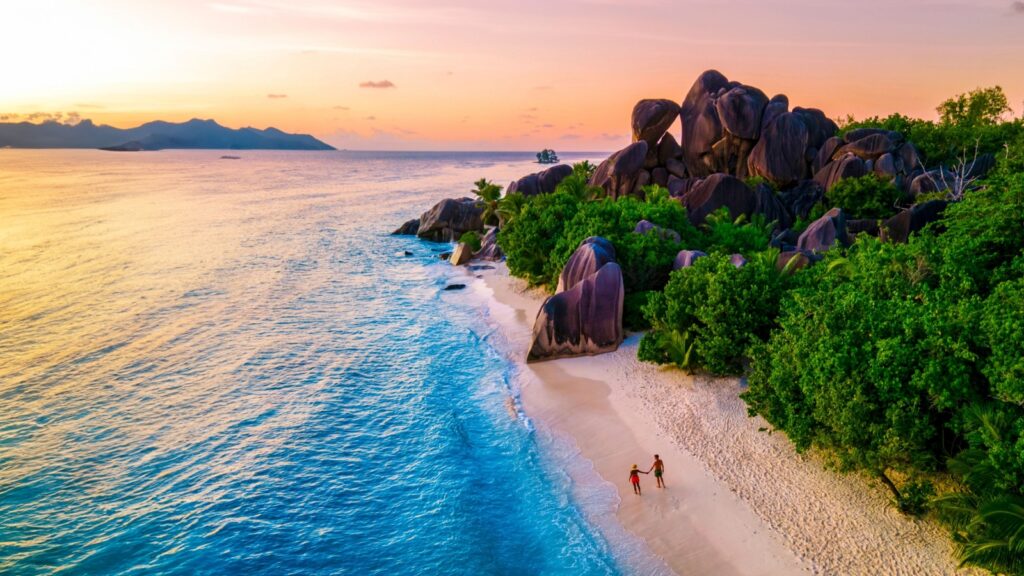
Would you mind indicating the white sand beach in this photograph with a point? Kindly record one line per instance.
(738, 500)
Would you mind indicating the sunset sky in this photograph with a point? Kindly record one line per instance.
(484, 74)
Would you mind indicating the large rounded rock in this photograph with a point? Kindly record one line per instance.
(800, 199)
(589, 257)
(825, 153)
(680, 187)
(860, 133)
(819, 127)
(779, 155)
(824, 232)
(652, 118)
(543, 182)
(938, 180)
(449, 219)
(489, 249)
(584, 320)
(885, 167)
(701, 127)
(408, 229)
(619, 174)
(869, 147)
(913, 219)
(686, 258)
(777, 106)
(849, 166)
(740, 110)
(718, 190)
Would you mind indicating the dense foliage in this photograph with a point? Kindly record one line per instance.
(531, 235)
(903, 360)
(471, 239)
(866, 197)
(710, 313)
(908, 358)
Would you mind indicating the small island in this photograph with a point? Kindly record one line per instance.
(547, 156)
(194, 134)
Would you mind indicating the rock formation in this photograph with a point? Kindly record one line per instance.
(489, 249)
(824, 232)
(449, 219)
(543, 182)
(408, 229)
(586, 317)
(913, 219)
(620, 174)
(651, 119)
(686, 258)
(591, 255)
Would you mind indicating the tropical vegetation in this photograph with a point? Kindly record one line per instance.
(904, 361)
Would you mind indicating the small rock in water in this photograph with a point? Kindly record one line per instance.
(444, 255)
(455, 287)
(404, 253)
(478, 267)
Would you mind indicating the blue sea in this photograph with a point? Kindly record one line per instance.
(214, 366)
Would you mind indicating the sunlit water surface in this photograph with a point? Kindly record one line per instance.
(214, 366)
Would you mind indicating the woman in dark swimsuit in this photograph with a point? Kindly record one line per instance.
(634, 479)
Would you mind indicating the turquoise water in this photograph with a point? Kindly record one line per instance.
(228, 367)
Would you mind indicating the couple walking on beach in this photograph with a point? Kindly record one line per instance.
(659, 472)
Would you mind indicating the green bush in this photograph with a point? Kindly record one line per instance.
(530, 238)
(646, 259)
(866, 197)
(869, 361)
(471, 239)
(633, 310)
(735, 236)
(915, 497)
(711, 313)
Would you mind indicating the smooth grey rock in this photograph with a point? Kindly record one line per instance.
(583, 320)
(824, 232)
(408, 229)
(449, 219)
(589, 257)
(686, 258)
(619, 174)
(652, 118)
(779, 154)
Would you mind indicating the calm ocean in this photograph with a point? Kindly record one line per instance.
(214, 366)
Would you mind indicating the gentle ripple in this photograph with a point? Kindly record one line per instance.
(225, 367)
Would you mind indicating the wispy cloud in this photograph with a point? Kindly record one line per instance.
(1017, 7)
(346, 108)
(370, 118)
(277, 96)
(378, 84)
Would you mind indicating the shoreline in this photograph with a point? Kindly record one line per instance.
(738, 499)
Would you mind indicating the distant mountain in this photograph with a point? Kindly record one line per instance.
(159, 135)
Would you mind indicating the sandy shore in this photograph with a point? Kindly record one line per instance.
(738, 499)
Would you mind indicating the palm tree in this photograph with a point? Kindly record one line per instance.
(489, 195)
(987, 520)
(585, 169)
(509, 208)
